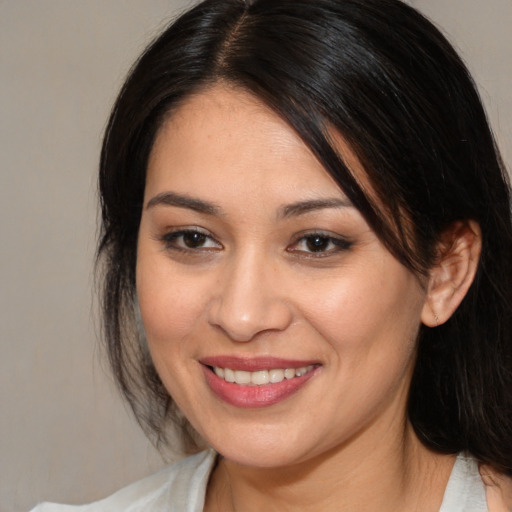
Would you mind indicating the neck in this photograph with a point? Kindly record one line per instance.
(395, 473)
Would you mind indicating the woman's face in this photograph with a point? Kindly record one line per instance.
(253, 266)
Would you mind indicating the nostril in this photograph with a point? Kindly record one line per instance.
(247, 318)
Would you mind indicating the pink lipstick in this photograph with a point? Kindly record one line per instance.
(256, 382)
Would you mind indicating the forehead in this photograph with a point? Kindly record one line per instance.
(225, 139)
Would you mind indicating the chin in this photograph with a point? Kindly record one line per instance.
(262, 449)
(259, 458)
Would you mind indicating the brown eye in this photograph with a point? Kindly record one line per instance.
(317, 243)
(320, 244)
(194, 240)
(190, 240)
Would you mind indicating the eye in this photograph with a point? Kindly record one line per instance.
(190, 240)
(320, 244)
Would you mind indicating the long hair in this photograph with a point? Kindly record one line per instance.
(385, 79)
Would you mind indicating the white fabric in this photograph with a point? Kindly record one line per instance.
(182, 488)
(177, 488)
(465, 491)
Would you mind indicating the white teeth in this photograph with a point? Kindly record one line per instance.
(260, 377)
(276, 376)
(242, 377)
(299, 372)
(229, 375)
(289, 373)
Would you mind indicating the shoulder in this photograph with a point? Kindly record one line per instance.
(168, 490)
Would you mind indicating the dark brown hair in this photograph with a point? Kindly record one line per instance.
(387, 80)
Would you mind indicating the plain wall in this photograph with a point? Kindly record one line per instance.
(64, 433)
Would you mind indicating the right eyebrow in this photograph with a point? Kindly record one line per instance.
(303, 207)
(184, 201)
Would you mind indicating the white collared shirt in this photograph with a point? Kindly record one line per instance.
(182, 488)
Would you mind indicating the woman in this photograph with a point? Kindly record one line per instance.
(304, 205)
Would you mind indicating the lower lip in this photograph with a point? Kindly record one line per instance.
(255, 396)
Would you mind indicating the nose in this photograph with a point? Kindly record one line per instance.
(249, 300)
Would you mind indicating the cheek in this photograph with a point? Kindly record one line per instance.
(170, 304)
(368, 310)
(370, 322)
(171, 307)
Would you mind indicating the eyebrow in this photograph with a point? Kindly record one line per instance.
(184, 201)
(205, 207)
(303, 207)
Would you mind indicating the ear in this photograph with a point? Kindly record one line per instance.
(449, 280)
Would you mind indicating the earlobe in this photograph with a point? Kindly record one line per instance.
(450, 278)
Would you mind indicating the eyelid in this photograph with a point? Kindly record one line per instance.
(341, 243)
(170, 237)
(170, 240)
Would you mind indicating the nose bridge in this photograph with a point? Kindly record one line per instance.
(249, 299)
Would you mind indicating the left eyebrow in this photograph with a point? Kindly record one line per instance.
(303, 207)
(184, 201)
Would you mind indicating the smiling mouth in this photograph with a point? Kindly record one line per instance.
(260, 377)
(256, 382)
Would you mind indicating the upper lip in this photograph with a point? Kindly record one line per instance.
(253, 364)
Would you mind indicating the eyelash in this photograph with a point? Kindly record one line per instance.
(170, 240)
(334, 244)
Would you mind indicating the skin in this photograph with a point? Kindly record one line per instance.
(252, 284)
(498, 489)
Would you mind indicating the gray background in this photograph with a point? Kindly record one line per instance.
(64, 434)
